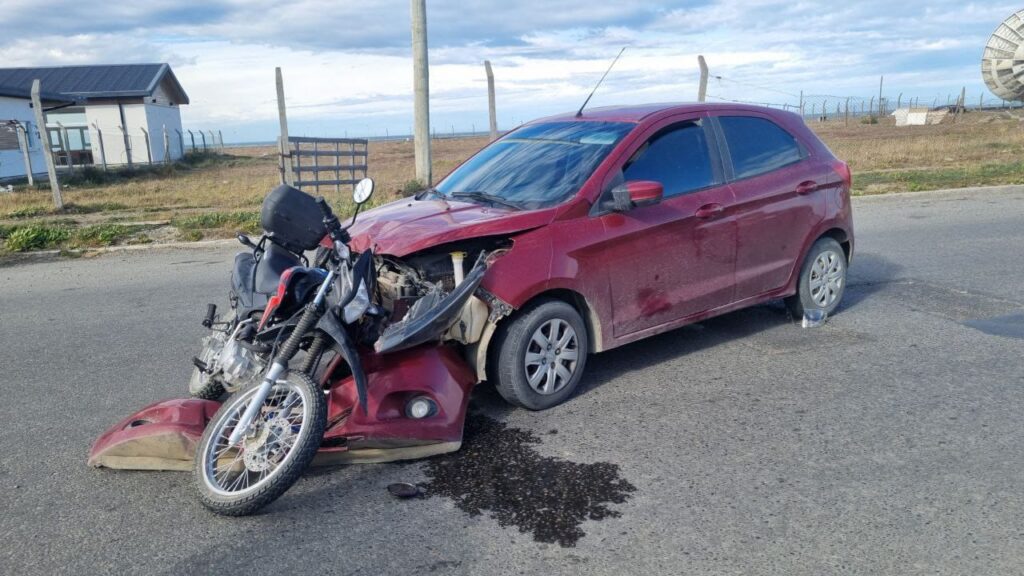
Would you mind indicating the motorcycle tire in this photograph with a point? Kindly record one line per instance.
(235, 495)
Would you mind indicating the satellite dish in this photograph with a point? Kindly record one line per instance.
(1002, 65)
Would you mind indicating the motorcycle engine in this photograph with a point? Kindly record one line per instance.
(239, 366)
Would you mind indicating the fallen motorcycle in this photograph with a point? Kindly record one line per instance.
(363, 390)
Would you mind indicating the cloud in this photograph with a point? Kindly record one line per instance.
(348, 63)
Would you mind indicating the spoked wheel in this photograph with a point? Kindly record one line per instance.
(284, 437)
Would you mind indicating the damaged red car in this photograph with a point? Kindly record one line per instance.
(568, 236)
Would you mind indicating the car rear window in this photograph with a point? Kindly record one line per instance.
(677, 157)
(757, 145)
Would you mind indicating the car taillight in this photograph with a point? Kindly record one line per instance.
(843, 169)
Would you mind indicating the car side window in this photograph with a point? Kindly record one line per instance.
(678, 157)
(757, 145)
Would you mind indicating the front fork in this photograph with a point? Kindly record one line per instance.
(310, 316)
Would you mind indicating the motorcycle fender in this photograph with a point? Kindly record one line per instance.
(331, 325)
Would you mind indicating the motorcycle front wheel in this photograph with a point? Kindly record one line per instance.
(284, 436)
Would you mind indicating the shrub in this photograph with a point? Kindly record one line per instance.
(36, 237)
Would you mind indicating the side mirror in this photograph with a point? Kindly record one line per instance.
(636, 193)
(362, 191)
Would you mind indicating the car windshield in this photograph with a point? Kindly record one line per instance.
(536, 166)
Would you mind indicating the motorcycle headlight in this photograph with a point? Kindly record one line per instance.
(355, 309)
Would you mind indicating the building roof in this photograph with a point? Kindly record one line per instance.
(81, 83)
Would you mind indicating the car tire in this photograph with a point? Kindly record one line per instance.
(540, 355)
(826, 260)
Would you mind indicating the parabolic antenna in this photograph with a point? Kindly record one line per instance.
(1002, 65)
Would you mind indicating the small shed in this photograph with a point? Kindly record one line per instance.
(114, 114)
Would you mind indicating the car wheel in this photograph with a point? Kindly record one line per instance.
(540, 355)
(822, 279)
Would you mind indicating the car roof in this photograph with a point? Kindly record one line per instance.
(638, 112)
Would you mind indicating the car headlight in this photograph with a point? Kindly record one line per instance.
(355, 309)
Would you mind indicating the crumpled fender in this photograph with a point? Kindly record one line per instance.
(161, 436)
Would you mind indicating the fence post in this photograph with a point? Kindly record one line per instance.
(44, 139)
(871, 106)
(282, 116)
(25, 156)
(103, 152)
(492, 113)
(702, 90)
(846, 115)
(203, 136)
(824, 110)
(149, 151)
(220, 138)
(127, 146)
(167, 146)
(192, 137)
(801, 103)
(181, 142)
(421, 89)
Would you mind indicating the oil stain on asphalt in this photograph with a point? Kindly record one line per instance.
(497, 471)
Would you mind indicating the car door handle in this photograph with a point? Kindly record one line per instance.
(806, 187)
(708, 211)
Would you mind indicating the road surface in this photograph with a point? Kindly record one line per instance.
(889, 441)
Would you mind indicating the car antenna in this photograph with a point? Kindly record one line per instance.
(585, 102)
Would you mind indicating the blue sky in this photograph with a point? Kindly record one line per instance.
(347, 65)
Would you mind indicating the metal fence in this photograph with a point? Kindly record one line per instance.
(315, 162)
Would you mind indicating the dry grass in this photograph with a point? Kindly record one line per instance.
(984, 148)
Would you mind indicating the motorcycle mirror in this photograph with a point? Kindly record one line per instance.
(246, 241)
(363, 190)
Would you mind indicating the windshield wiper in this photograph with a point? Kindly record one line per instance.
(427, 191)
(485, 197)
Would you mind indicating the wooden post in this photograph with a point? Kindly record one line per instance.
(282, 115)
(421, 89)
(149, 150)
(491, 111)
(702, 90)
(167, 146)
(103, 152)
(44, 139)
(25, 156)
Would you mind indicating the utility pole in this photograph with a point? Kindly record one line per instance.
(702, 92)
(421, 89)
(286, 156)
(44, 139)
(493, 113)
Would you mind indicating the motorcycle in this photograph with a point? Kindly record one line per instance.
(229, 358)
(336, 381)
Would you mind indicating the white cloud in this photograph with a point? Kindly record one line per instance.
(347, 65)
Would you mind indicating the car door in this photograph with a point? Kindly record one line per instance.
(776, 186)
(673, 259)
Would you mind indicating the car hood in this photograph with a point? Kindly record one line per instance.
(407, 226)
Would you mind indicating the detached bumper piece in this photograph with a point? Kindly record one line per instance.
(163, 436)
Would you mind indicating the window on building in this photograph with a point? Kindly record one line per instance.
(9, 135)
(757, 145)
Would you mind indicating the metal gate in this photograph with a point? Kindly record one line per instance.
(317, 162)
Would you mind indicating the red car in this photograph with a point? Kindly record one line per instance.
(615, 225)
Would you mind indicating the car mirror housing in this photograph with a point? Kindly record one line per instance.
(636, 193)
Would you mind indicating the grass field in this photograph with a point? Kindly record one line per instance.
(213, 196)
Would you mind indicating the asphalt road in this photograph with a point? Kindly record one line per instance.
(889, 441)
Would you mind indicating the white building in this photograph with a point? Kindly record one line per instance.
(18, 123)
(106, 114)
